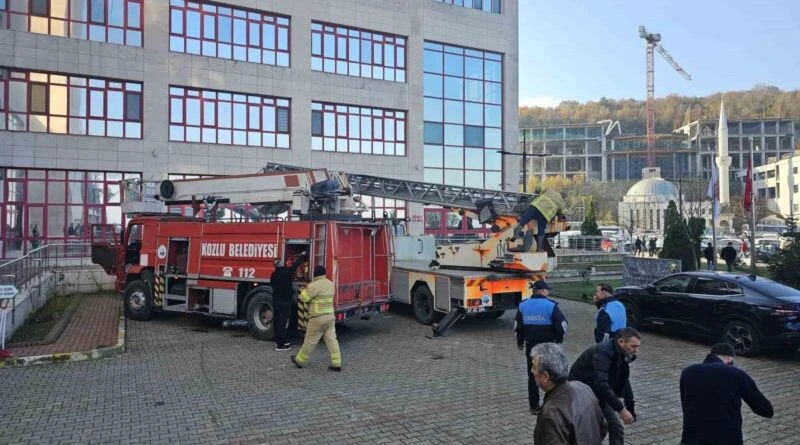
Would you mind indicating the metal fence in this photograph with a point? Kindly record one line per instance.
(29, 272)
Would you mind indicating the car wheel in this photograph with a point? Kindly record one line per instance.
(632, 314)
(743, 337)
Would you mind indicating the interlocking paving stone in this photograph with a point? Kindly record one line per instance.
(183, 380)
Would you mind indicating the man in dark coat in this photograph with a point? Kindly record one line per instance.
(282, 280)
(604, 367)
(711, 397)
(711, 259)
(539, 320)
(570, 414)
(728, 253)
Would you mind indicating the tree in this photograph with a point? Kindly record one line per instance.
(589, 226)
(697, 227)
(677, 243)
(783, 266)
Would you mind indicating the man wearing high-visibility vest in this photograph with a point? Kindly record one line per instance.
(318, 298)
(543, 209)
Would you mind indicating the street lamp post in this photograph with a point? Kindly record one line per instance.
(524, 155)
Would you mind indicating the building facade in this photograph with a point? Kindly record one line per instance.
(687, 153)
(778, 183)
(97, 91)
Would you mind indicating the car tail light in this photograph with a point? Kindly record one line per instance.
(340, 316)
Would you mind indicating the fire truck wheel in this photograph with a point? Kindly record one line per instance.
(422, 305)
(138, 301)
(259, 316)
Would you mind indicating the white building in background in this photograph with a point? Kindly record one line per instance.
(644, 207)
(777, 182)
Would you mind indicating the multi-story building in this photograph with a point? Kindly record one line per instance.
(687, 153)
(768, 137)
(96, 91)
(565, 150)
(777, 183)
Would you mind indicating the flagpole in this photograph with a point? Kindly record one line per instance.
(713, 212)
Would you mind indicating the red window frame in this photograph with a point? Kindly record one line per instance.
(130, 128)
(495, 6)
(343, 141)
(261, 19)
(179, 128)
(395, 72)
(59, 210)
(377, 206)
(131, 29)
(445, 231)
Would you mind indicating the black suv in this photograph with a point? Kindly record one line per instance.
(746, 311)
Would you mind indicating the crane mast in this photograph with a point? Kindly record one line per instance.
(653, 40)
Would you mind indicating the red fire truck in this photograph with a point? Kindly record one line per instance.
(201, 266)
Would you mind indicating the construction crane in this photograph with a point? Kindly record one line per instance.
(652, 44)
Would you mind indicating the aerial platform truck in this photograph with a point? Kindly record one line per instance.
(444, 281)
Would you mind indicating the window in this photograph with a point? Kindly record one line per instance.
(463, 116)
(39, 7)
(111, 21)
(706, 286)
(350, 129)
(218, 117)
(221, 31)
(383, 208)
(64, 104)
(675, 283)
(483, 5)
(56, 207)
(353, 52)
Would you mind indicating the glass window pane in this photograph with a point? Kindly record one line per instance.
(433, 85)
(454, 65)
(433, 133)
(453, 88)
(98, 11)
(433, 62)
(473, 136)
(433, 110)
(38, 98)
(115, 110)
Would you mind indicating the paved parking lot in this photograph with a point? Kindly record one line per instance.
(187, 381)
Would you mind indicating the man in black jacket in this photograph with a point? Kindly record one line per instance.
(711, 259)
(728, 253)
(711, 397)
(282, 280)
(604, 367)
(539, 320)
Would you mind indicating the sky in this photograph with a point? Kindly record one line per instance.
(587, 49)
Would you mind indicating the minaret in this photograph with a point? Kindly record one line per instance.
(723, 160)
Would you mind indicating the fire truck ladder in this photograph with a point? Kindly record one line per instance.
(502, 202)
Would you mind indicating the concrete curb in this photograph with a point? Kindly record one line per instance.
(66, 357)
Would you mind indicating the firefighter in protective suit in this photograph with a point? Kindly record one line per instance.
(318, 298)
(542, 209)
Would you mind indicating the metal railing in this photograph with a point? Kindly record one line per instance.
(28, 272)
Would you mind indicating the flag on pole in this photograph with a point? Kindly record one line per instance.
(713, 191)
(748, 187)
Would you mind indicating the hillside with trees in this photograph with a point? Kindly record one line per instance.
(762, 101)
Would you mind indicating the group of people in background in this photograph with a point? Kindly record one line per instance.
(727, 254)
(593, 398)
(639, 246)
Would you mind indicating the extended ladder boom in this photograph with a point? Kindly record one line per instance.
(469, 198)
